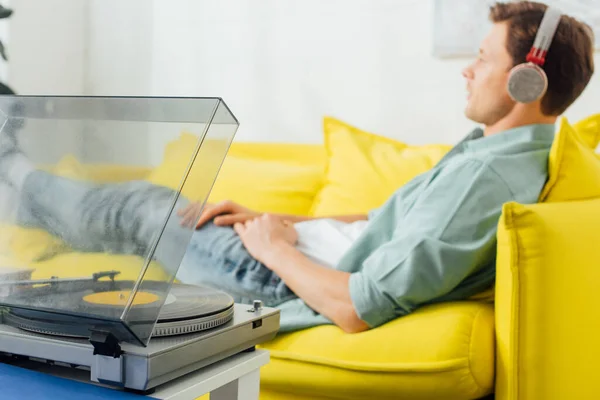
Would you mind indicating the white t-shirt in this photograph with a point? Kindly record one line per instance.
(325, 241)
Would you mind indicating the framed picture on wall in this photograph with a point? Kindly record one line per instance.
(459, 26)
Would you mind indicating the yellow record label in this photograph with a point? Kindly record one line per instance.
(119, 298)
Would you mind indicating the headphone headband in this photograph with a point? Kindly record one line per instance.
(545, 34)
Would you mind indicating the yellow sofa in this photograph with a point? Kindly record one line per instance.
(532, 336)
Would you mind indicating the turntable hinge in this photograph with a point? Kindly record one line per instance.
(105, 344)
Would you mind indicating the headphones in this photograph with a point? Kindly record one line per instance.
(528, 82)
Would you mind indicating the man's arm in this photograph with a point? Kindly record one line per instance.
(270, 240)
(448, 235)
(323, 289)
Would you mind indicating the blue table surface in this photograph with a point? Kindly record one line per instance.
(20, 383)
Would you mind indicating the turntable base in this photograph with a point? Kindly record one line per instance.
(234, 378)
(162, 361)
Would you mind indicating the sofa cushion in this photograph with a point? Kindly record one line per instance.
(443, 351)
(363, 169)
(546, 301)
(573, 167)
(78, 264)
(21, 245)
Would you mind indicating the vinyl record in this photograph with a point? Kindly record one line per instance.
(186, 309)
(187, 301)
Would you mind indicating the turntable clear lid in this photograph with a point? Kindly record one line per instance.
(92, 192)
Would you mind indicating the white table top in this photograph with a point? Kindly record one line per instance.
(207, 379)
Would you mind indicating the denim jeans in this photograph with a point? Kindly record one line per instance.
(124, 218)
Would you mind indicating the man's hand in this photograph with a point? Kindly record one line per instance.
(190, 214)
(270, 239)
(263, 236)
(224, 213)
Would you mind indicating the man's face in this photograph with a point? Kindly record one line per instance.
(487, 77)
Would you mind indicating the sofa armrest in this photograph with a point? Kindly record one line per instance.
(548, 301)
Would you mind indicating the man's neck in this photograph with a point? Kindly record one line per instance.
(512, 121)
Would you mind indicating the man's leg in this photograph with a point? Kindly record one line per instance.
(125, 218)
(114, 218)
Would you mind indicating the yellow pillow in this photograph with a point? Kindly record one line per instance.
(268, 186)
(70, 167)
(364, 170)
(264, 177)
(573, 168)
(589, 129)
(176, 161)
(290, 174)
(293, 153)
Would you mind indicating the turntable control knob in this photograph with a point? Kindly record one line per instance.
(257, 305)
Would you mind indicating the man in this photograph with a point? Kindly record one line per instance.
(433, 240)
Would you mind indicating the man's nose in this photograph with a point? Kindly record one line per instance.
(467, 72)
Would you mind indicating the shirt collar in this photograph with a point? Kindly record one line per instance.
(543, 133)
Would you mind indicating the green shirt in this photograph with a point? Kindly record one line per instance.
(435, 239)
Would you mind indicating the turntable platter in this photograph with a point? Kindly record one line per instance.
(187, 309)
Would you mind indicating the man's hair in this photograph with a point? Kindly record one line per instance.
(569, 64)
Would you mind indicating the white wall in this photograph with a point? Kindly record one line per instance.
(81, 46)
(5, 37)
(279, 65)
(48, 46)
(120, 64)
(120, 43)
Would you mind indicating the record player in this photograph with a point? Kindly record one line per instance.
(136, 326)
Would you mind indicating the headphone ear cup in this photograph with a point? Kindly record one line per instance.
(527, 83)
